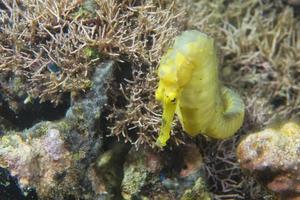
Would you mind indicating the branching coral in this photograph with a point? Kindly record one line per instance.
(33, 36)
(74, 35)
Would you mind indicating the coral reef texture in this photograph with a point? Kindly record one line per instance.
(37, 162)
(149, 175)
(55, 157)
(52, 46)
(273, 156)
(78, 115)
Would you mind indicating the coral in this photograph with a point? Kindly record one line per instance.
(48, 47)
(107, 174)
(189, 85)
(153, 175)
(135, 175)
(56, 157)
(9, 188)
(197, 192)
(273, 156)
(37, 162)
(54, 46)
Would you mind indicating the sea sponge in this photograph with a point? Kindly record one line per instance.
(272, 157)
(189, 85)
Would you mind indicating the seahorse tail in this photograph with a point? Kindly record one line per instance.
(233, 104)
(231, 117)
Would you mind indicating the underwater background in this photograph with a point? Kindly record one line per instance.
(80, 116)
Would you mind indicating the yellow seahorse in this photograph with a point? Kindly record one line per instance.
(190, 87)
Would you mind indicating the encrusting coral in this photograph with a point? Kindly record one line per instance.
(151, 175)
(56, 157)
(272, 155)
(38, 162)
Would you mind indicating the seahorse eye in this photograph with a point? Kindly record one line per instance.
(173, 100)
(171, 97)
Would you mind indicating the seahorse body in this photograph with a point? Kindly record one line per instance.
(189, 86)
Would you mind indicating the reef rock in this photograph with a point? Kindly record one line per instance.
(137, 172)
(55, 157)
(176, 174)
(273, 156)
(38, 162)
